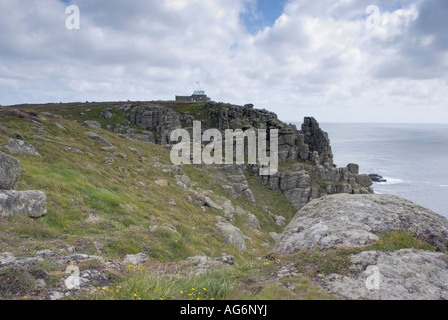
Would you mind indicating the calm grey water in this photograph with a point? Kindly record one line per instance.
(412, 157)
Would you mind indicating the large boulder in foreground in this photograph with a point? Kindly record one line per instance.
(345, 220)
(9, 172)
(29, 203)
(401, 275)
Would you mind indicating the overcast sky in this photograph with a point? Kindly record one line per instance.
(297, 58)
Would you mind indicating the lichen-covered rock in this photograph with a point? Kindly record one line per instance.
(98, 138)
(156, 118)
(135, 259)
(355, 220)
(232, 235)
(317, 140)
(92, 124)
(29, 203)
(10, 170)
(401, 275)
(353, 168)
(253, 221)
(204, 263)
(364, 180)
(20, 146)
(146, 136)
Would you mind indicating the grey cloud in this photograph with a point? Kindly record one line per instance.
(422, 48)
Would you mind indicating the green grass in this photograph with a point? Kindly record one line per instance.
(14, 281)
(396, 240)
(140, 284)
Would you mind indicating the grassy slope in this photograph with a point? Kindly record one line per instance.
(105, 209)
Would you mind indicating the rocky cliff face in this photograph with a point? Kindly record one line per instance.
(307, 170)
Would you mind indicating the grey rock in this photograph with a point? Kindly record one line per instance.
(7, 259)
(240, 187)
(280, 221)
(353, 168)
(74, 258)
(29, 203)
(355, 220)
(206, 201)
(234, 170)
(170, 228)
(364, 180)
(60, 126)
(232, 235)
(403, 275)
(210, 203)
(156, 118)
(135, 259)
(317, 140)
(10, 112)
(250, 196)
(274, 235)
(20, 146)
(10, 170)
(204, 263)
(92, 124)
(253, 221)
(107, 114)
(74, 150)
(230, 191)
(47, 254)
(146, 136)
(92, 278)
(96, 137)
(298, 197)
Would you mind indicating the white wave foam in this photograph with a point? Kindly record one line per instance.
(444, 186)
(395, 181)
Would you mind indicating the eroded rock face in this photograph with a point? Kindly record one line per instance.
(29, 203)
(10, 170)
(355, 220)
(317, 140)
(402, 275)
(304, 182)
(309, 146)
(158, 119)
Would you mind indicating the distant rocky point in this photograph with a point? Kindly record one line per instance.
(376, 178)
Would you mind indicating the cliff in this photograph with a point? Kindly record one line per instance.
(307, 168)
(91, 207)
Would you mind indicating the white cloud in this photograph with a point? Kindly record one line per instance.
(318, 58)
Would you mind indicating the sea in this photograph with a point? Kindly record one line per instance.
(413, 158)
